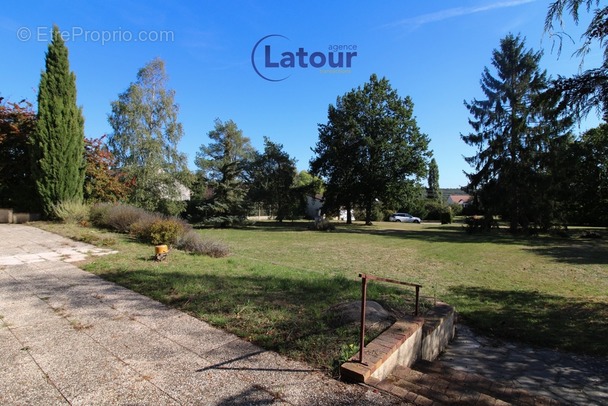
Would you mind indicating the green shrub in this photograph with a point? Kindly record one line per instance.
(193, 242)
(171, 207)
(456, 209)
(433, 209)
(322, 225)
(141, 228)
(378, 213)
(166, 231)
(71, 211)
(98, 214)
(120, 217)
(446, 216)
(227, 221)
(152, 228)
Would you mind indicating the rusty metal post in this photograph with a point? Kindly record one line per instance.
(417, 298)
(363, 302)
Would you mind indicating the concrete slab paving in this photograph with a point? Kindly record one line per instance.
(572, 379)
(23, 373)
(69, 337)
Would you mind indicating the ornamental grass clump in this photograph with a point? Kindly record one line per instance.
(71, 211)
(121, 217)
(194, 243)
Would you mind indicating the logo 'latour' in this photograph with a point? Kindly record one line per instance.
(277, 61)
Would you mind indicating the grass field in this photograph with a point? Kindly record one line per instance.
(280, 279)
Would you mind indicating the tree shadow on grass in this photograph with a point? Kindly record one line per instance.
(577, 252)
(573, 250)
(448, 233)
(536, 318)
(282, 313)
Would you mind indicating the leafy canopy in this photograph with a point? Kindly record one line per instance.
(145, 137)
(370, 149)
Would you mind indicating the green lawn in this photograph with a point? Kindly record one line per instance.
(280, 279)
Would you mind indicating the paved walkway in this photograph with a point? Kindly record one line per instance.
(69, 337)
(570, 379)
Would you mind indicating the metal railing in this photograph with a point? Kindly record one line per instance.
(364, 278)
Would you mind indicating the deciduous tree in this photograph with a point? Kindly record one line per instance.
(146, 132)
(371, 148)
(17, 124)
(103, 183)
(585, 178)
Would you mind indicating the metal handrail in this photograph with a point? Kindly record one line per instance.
(364, 278)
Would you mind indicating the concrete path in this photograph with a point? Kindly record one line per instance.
(69, 337)
(570, 379)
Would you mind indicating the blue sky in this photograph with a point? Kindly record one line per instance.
(432, 51)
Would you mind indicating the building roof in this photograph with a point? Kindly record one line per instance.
(462, 198)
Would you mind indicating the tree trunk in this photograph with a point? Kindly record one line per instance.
(368, 213)
(349, 219)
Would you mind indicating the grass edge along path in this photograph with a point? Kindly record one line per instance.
(278, 284)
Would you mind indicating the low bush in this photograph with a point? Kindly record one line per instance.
(193, 242)
(121, 217)
(166, 231)
(71, 211)
(433, 209)
(98, 214)
(141, 228)
(456, 209)
(227, 221)
(322, 225)
(475, 224)
(152, 228)
(446, 216)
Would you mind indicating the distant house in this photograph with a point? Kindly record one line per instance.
(183, 191)
(461, 199)
(313, 206)
(180, 192)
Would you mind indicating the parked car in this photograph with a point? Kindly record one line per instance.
(404, 218)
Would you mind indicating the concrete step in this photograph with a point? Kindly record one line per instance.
(438, 385)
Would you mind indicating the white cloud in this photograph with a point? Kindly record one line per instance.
(441, 15)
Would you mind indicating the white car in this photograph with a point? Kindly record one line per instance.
(404, 218)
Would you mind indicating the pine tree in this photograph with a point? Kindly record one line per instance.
(514, 128)
(57, 145)
(272, 176)
(222, 165)
(588, 89)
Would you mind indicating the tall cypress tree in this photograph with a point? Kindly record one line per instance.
(57, 145)
(433, 192)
